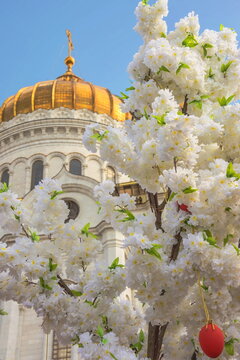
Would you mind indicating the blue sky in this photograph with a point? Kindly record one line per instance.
(34, 45)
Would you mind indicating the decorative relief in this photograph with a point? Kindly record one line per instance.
(65, 113)
(49, 123)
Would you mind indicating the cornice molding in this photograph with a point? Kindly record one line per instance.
(60, 113)
(49, 126)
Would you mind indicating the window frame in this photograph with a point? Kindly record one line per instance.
(5, 170)
(79, 162)
(34, 178)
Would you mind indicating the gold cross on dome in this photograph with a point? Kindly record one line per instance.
(70, 44)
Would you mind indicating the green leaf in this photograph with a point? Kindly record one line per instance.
(75, 340)
(153, 251)
(145, 2)
(237, 249)
(52, 266)
(44, 285)
(104, 320)
(129, 215)
(85, 231)
(229, 346)
(124, 96)
(163, 35)
(172, 196)
(162, 68)
(182, 66)
(98, 136)
(114, 357)
(227, 238)
(223, 101)
(55, 193)
(76, 293)
(136, 347)
(130, 88)
(198, 103)
(17, 217)
(115, 264)
(100, 331)
(146, 114)
(203, 285)
(225, 67)
(2, 312)
(189, 190)
(34, 236)
(231, 172)
(4, 188)
(141, 336)
(160, 119)
(205, 47)
(227, 209)
(190, 41)
(207, 236)
(221, 27)
(211, 74)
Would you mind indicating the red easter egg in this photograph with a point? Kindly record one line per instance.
(211, 339)
(184, 207)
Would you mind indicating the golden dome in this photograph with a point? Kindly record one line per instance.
(67, 91)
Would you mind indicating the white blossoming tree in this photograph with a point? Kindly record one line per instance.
(182, 147)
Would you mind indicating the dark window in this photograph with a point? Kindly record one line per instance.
(37, 173)
(73, 210)
(75, 167)
(5, 176)
(60, 352)
(111, 174)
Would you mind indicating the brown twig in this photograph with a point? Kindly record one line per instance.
(155, 340)
(194, 355)
(156, 332)
(185, 105)
(63, 285)
(25, 231)
(156, 208)
(176, 248)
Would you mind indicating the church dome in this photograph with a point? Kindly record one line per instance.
(69, 91)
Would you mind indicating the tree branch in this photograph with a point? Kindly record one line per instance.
(63, 285)
(156, 332)
(176, 247)
(194, 355)
(185, 105)
(25, 231)
(156, 208)
(155, 340)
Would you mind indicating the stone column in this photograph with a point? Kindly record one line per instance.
(47, 346)
(113, 246)
(9, 331)
(28, 179)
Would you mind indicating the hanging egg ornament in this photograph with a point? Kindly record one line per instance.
(211, 339)
(183, 207)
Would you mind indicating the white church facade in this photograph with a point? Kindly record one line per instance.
(41, 130)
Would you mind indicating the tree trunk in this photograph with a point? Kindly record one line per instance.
(155, 340)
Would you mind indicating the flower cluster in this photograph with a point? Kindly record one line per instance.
(182, 147)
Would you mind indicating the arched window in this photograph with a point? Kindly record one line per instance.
(75, 167)
(5, 176)
(37, 173)
(111, 174)
(73, 210)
